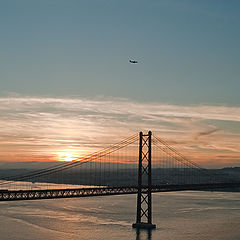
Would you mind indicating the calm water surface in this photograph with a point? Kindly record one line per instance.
(179, 216)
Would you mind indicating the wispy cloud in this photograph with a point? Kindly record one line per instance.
(36, 128)
(206, 133)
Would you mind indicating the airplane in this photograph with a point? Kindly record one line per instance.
(133, 61)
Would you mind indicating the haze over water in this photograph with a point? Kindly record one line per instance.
(179, 216)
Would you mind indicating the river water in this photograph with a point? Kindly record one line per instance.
(178, 215)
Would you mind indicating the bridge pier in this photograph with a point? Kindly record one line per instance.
(144, 197)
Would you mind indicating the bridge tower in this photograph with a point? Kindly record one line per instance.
(144, 196)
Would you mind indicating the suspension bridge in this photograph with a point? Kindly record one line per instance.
(140, 164)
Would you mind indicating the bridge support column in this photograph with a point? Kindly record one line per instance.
(144, 198)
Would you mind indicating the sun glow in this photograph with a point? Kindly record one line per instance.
(66, 156)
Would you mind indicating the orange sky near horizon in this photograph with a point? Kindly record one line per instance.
(54, 129)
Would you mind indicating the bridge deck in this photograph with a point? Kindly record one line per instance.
(103, 191)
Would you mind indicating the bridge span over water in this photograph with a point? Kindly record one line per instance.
(106, 191)
(141, 164)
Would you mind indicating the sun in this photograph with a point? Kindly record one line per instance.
(66, 156)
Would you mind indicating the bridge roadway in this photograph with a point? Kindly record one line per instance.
(6, 195)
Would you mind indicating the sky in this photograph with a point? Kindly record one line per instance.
(66, 84)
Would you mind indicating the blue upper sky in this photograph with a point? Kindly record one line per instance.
(188, 50)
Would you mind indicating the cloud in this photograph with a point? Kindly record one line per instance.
(113, 107)
(34, 127)
(206, 133)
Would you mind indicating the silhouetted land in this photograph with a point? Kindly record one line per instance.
(123, 176)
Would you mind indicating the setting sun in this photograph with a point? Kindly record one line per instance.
(66, 156)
